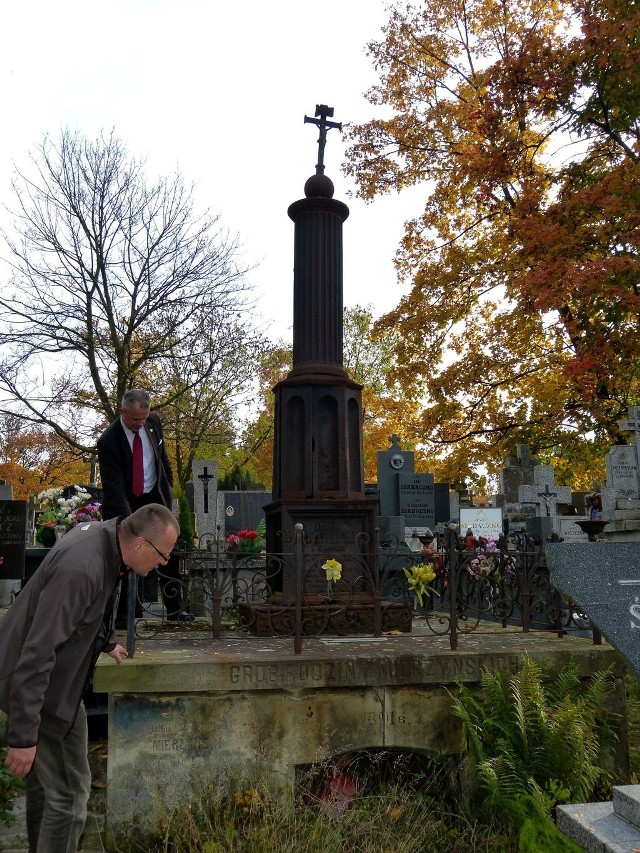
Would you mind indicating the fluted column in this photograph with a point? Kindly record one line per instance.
(317, 280)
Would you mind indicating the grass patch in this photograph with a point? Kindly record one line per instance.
(248, 821)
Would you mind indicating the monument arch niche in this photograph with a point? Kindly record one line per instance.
(317, 441)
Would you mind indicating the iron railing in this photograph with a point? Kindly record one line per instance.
(288, 595)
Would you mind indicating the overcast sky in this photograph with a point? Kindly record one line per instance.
(220, 91)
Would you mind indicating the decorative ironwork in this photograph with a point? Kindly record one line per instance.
(472, 590)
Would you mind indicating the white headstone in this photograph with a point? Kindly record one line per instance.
(568, 530)
(483, 521)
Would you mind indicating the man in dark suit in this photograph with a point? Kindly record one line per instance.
(135, 471)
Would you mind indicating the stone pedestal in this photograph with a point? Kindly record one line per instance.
(232, 713)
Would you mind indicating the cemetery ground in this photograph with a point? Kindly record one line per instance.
(407, 804)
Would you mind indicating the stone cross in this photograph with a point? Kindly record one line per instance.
(205, 495)
(323, 111)
(544, 491)
(631, 425)
(522, 458)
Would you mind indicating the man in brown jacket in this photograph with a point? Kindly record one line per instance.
(50, 639)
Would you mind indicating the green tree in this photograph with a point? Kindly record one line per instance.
(185, 519)
(369, 358)
(239, 478)
(522, 322)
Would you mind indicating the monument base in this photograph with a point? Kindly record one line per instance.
(341, 529)
(353, 615)
(191, 711)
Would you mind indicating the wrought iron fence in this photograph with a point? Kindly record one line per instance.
(444, 590)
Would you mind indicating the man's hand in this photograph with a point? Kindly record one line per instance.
(118, 653)
(19, 760)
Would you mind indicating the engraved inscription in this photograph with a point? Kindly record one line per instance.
(390, 718)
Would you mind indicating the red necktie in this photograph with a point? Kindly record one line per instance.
(138, 467)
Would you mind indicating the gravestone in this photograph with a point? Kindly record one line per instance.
(568, 530)
(603, 579)
(623, 475)
(622, 470)
(444, 511)
(391, 532)
(631, 425)
(390, 463)
(13, 530)
(205, 496)
(242, 510)
(518, 471)
(416, 502)
(438, 503)
(32, 506)
(546, 496)
(483, 521)
(544, 493)
(7, 588)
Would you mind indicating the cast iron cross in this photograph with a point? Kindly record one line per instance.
(323, 111)
(205, 477)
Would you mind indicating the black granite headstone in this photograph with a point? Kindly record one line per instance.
(390, 463)
(417, 501)
(603, 579)
(13, 531)
(442, 502)
(244, 510)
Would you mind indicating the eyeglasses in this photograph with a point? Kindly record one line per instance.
(165, 557)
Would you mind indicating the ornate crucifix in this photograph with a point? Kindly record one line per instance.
(205, 477)
(546, 497)
(323, 111)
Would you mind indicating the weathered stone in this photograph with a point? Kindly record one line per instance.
(544, 493)
(191, 713)
(390, 463)
(517, 472)
(569, 530)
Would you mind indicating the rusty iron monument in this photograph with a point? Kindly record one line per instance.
(318, 477)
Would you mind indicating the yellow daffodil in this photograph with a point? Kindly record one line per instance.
(333, 569)
(418, 579)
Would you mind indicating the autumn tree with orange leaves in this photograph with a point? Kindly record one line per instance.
(33, 459)
(520, 118)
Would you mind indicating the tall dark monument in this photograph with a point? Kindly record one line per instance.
(317, 465)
